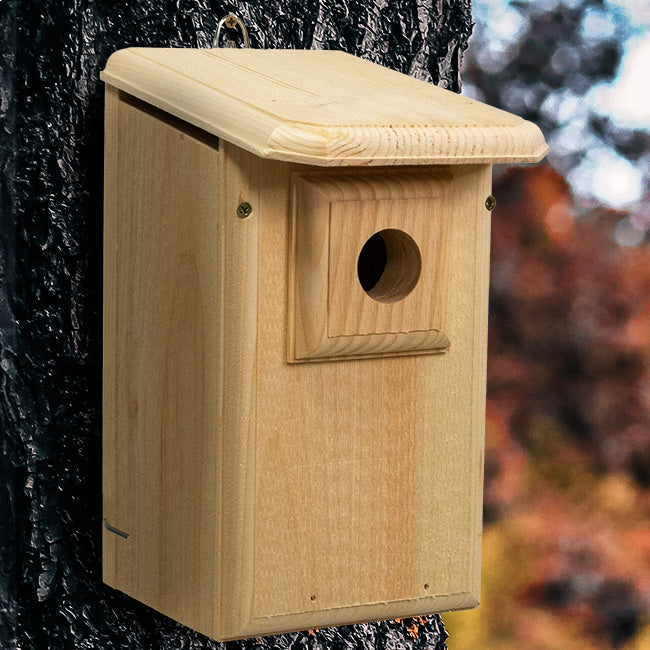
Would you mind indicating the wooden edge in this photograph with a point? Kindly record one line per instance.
(368, 346)
(377, 161)
(109, 451)
(481, 245)
(312, 194)
(317, 145)
(236, 479)
(271, 625)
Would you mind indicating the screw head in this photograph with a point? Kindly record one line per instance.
(490, 203)
(244, 210)
(231, 21)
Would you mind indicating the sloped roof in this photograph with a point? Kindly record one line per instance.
(322, 107)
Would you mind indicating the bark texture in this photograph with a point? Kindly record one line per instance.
(51, 142)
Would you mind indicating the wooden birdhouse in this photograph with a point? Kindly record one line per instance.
(295, 324)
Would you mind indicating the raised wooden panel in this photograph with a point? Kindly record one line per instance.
(351, 310)
(331, 315)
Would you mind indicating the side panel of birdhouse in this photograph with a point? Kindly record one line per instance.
(162, 376)
(352, 489)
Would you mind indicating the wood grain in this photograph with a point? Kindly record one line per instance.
(334, 215)
(261, 496)
(369, 471)
(322, 107)
(161, 369)
(110, 450)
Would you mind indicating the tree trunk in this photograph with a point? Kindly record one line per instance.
(51, 102)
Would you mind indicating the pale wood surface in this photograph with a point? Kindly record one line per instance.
(369, 471)
(322, 107)
(261, 496)
(162, 363)
(334, 214)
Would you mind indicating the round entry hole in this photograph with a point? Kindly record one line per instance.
(389, 265)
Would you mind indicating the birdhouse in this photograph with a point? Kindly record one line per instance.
(295, 334)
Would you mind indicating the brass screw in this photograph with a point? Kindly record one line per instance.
(490, 203)
(231, 21)
(244, 210)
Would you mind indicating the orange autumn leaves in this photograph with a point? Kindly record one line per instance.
(567, 467)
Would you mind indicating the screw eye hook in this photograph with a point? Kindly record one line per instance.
(231, 21)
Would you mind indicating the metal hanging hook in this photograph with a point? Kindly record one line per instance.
(231, 21)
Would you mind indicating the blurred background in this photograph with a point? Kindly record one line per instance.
(566, 556)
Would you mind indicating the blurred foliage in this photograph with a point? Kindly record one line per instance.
(558, 63)
(566, 554)
(567, 498)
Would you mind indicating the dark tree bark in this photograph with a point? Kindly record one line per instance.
(51, 594)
